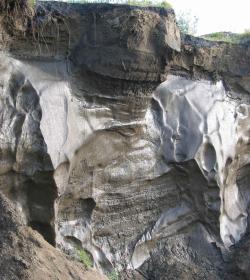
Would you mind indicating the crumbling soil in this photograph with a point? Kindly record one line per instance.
(24, 254)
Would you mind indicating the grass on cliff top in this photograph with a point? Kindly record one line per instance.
(148, 3)
(234, 38)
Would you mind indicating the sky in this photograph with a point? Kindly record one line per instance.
(217, 15)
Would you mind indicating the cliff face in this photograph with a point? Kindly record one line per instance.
(120, 137)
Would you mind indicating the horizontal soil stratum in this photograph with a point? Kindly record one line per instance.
(124, 140)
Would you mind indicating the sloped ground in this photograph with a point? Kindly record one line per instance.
(24, 254)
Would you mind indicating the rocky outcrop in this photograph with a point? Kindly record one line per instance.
(122, 138)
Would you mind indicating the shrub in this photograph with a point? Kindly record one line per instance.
(85, 258)
(187, 23)
(113, 275)
(166, 5)
(244, 36)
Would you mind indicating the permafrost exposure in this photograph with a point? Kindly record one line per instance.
(123, 139)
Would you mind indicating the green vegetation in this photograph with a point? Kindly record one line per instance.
(114, 275)
(31, 3)
(149, 3)
(218, 36)
(166, 5)
(234, 38)
(85, 258)
(141, 3)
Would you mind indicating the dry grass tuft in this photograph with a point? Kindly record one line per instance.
(15, 14)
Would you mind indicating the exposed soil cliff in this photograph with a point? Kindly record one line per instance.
(124, 139)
